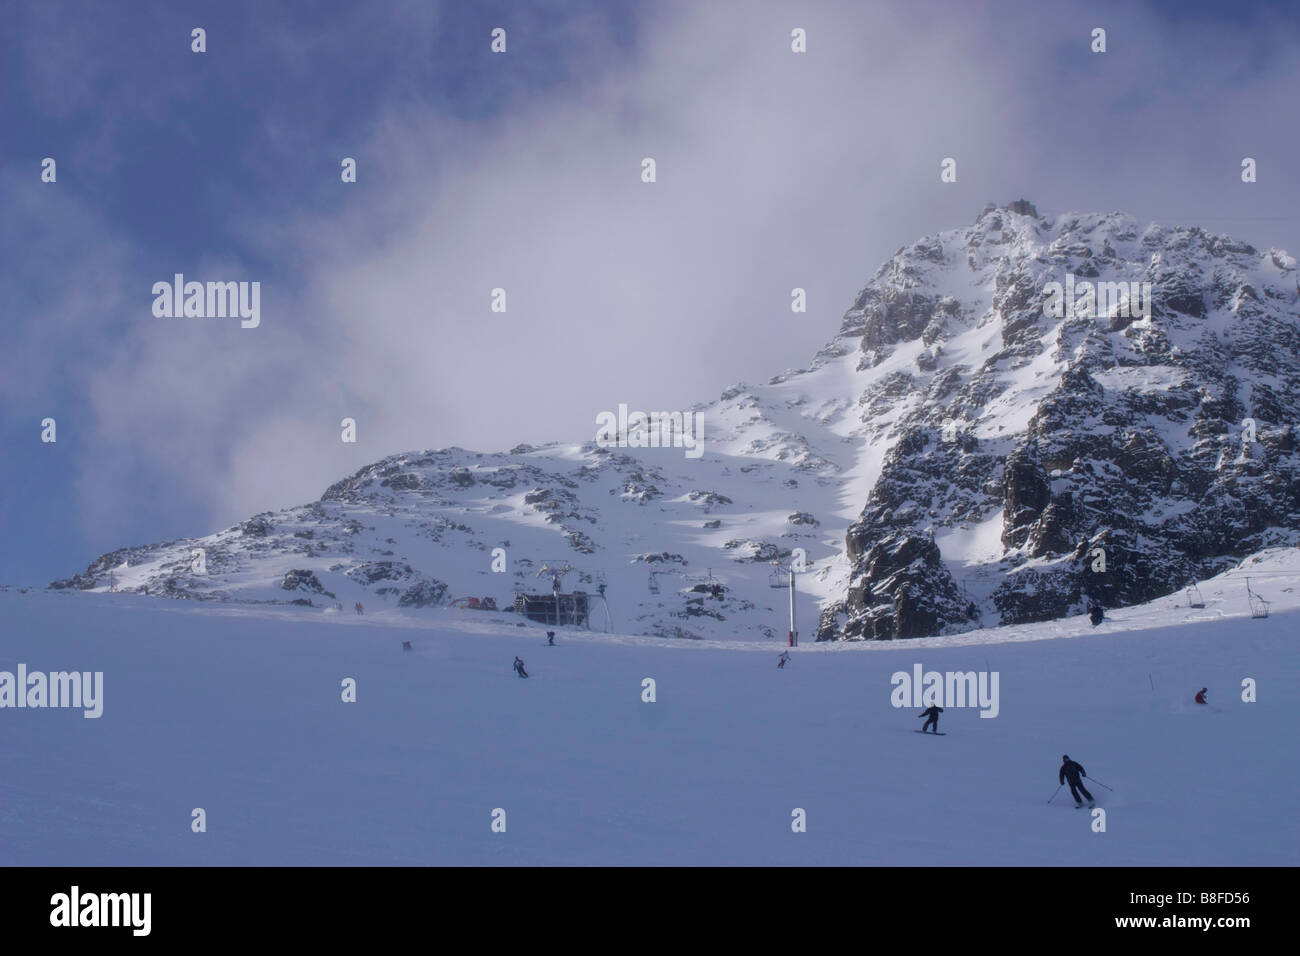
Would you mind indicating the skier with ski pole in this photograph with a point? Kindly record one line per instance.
(1071, 771)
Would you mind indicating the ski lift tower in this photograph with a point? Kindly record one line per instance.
(557, 572)
(774, 580)
(601, 584)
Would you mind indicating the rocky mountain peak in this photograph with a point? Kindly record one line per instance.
(1015, 418)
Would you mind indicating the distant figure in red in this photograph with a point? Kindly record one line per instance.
(358, 606)
(1200, 697)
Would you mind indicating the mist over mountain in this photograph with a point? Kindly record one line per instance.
(1014, 419)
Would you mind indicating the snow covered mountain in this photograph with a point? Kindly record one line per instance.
(1014, 419)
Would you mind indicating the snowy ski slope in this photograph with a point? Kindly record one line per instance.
(237, 709)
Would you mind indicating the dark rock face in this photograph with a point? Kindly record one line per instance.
(1023, 207)
(373, 571)
(1135, 471)
(902, 589)
(1024, 494)
(296, 580)
(257, 527)
(77, 581)
(427, 592)
(399, 482)
(831, 621)
(660, 557)
(759, 551)
(708, 499)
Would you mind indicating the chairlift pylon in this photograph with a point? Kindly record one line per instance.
(1194, 598)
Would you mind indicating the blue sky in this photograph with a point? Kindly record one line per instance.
(521, 170)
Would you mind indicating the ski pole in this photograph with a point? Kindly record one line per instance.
(1053, 796)
(1099, 783)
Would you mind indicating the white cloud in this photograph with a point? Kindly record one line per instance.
(775, 170)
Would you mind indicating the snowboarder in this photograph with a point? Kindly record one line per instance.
(783, 660)
(1072, 771)
(1095, 613)
(932, 713)
(550, 638)
(1200, 696)
(519, 668)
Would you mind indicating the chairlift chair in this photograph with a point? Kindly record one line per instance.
(1258, 605)
(1194, 598)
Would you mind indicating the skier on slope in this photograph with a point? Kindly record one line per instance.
(1072, 771)
(1200, 696)
(1095, 613)
(783, 660)
(932, 713)
(519, 668)
(550, 638)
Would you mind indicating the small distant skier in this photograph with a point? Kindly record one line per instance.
(359, 608)
(782, 660)
(1200, 696)
(519, 668)
(1072, 772)
(1095, 613)
(932, 713)
(550, 638)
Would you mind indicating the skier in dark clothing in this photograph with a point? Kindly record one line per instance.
(1072, 771)
(519, 668)
(550, 638)
(1200, 696)
(783, 660)
(1095, 613)
(933, 714)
